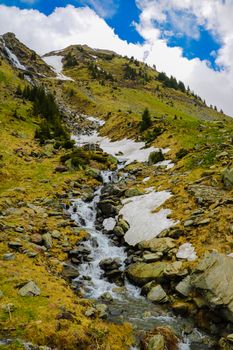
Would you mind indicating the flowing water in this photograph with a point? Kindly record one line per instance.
(127, 304)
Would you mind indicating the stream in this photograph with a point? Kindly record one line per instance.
(127, 304)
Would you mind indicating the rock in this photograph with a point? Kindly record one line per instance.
(203, 222)
(108, 208)
(160, 338)
(107, 296)
(15, 245)
(157, 295)
(188, 223)
(141, 273)
(182, 308)
(61, 169)
(184, 287)
(8, 256)
(47, 240)
(56, 234)
(175, 269)
(152, 257)
(69, 271)
(124, 225)
(102, 310)
(227, 178)
(110, 264)
(91, 311)
(118, 231)
(162, 245)
(133, 192)
(29, 289)
(187, 252)
(213, 280)
(95, 173)
(36, 238)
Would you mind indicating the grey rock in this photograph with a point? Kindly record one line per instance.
(69, 271)
(107, 296)
(102, 310)
(157, 295)
(141, 273)
(184, 287)
(227, 178)
(156, 245)
(8, 256)
(188, 223)
(29, 289)
(133, 192)
(15, 245)
(152, 257)
(56, 234)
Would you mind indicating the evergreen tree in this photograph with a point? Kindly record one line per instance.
(146, 120)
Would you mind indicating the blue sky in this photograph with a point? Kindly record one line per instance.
(121, 14)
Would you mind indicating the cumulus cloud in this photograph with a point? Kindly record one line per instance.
(70, 25)
(105, 8)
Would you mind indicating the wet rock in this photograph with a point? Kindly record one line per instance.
(227, 178)
(157, 295)
(108, 208)
(213, 280)
(123, 224)
(183, 308)
(162, 245)
(47, 240)
(15, 245)
(29, 289)
(80, 251)
(69, 271)
(133, 192)
(36, 238)
(141, 273)
(107, 296)
(110, 264)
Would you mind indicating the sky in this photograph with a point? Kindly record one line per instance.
(192, 40)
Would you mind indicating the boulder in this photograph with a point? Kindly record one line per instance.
(133, 192)
(157, 295)
(124, 225)
(152, 257)
(108, 208)
(15, 245)
(142, 273)
(162, 245)
(184, 287)
(227, 177)
(69, 271)
(118, 231)
(213, 279)
(47, 240)
(29, 289)
(36, 238)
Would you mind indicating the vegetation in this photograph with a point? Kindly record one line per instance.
(171, 82)
(146, 120)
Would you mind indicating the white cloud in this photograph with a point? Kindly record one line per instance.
(105, 8)
(70, 25)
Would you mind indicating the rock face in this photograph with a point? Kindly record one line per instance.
(213, 278)
(142, 273)
(30, 289)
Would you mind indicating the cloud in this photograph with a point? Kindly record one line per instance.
(70, 25)
(104, 9)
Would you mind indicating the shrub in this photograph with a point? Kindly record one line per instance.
(155, 157)
(146, 120)
(181, 153)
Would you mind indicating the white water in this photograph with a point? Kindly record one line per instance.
(56, 63)
(12, 57)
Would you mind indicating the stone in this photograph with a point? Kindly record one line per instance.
(141, 273)
(95, 173)
(69, 271)
(156, 245)
(36, 238)
(213, 279)
(118, 231)
(110, 264)
(90, 312)
(188, 223)
(152, 257)
(102, 310)
(8, 256)
(15, 245)
(203, 222)
(47, 240)
(133, 192)
(124, 225)
(108, 208)
(157, 295)
(29, 289)
(174, 269)
(184, 287)
(61, 169)
(227, 178)
(56, 234)
(107, 296)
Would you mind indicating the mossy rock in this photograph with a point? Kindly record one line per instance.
(142, 273)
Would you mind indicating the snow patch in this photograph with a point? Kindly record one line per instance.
(187, 252)
(166, 163)
(56, 63)
(109, 224)
(146, 179)
(144, 224)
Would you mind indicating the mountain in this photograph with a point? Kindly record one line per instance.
(167, 170)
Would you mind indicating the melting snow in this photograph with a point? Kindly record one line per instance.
(125, 150)
(13, 58)
(109, 224)
(144, 224)
(186, 251)
(166, 163)
(56, 63)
